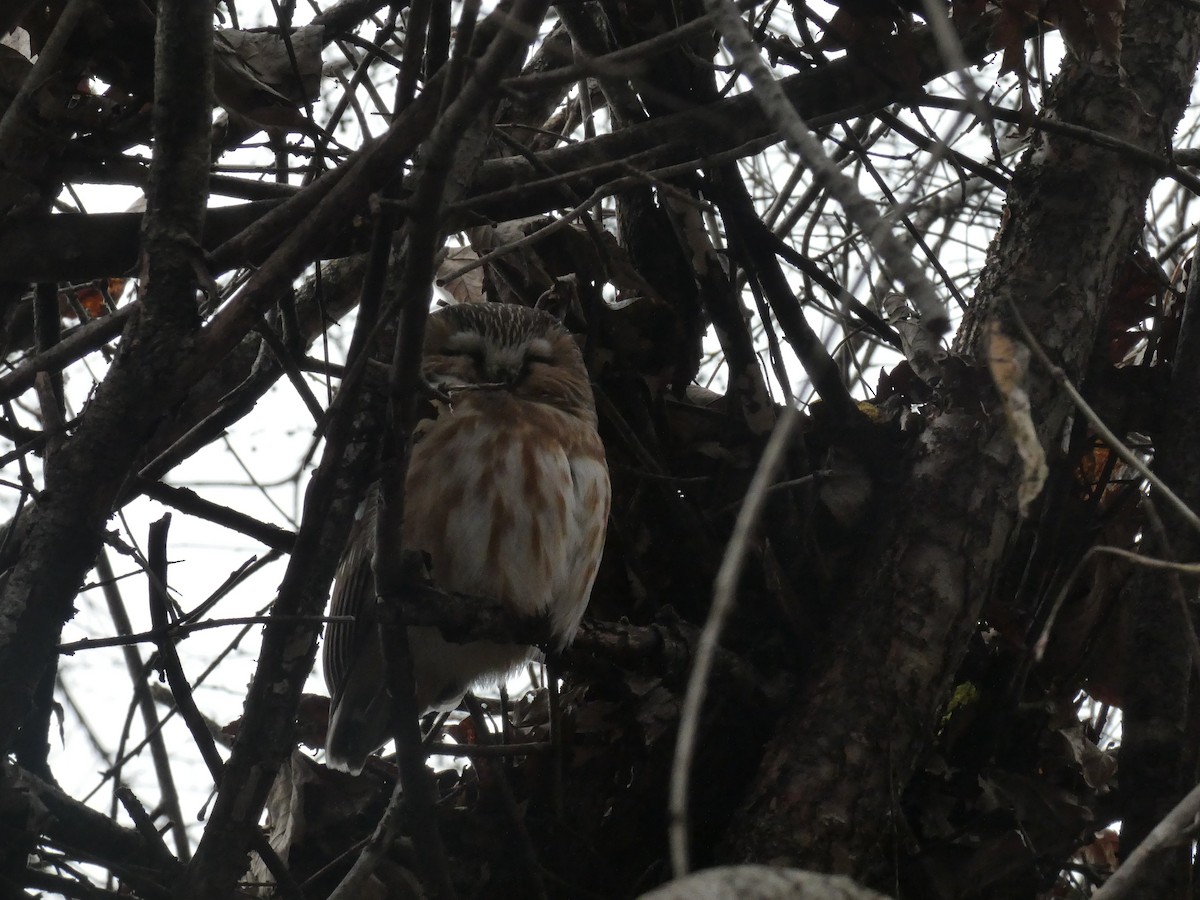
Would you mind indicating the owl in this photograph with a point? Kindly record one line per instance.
(507, 495)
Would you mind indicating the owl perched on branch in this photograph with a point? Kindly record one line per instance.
(507, 495)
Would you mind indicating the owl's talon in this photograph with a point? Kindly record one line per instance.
(431, 391)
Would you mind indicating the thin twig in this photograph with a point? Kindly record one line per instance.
(188, 501)
(762, 265)
(156, 554)
(150, 720)
(47, 326)
(1147, 562)
(556, 738)
(784, 116)
(489, 751)
(554, 226)
(1176, 828)
(182, 630)
(500, 778)
(724, 597)
(1174, 583)
(454, 143)
(184, 702)
(74, 345)
(289, 365)
(620, 64)
(1158, 163)
(145, 826)
(375, 850)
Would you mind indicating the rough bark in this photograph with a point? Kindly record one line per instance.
(827, 792)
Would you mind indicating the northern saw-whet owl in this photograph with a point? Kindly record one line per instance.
(507, 495)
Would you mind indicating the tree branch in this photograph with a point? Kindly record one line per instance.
(84, 477)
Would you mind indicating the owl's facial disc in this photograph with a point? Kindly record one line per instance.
(491, 363)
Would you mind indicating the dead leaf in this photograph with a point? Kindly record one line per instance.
(468, 287)
(1098, 766)
(1030, 799)
(18, 39)
(1009, 33)
(846, 490)
(254, 76)
(92, 300)
(1102, 852)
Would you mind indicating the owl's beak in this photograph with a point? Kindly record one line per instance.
(504, 376)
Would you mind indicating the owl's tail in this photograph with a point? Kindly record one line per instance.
(360, 719)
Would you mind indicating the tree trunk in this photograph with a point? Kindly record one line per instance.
(828, 791)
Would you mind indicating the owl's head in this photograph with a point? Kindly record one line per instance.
(501, 345)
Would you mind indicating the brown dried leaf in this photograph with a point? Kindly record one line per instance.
(468, 287)
(1102, 852)
(846, 491)
(1030, 799)
(254, 77)
(1098, 766)
(1008, 35)
(92, 300)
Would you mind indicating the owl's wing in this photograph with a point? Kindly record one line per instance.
(353, 595)
(360, 717)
